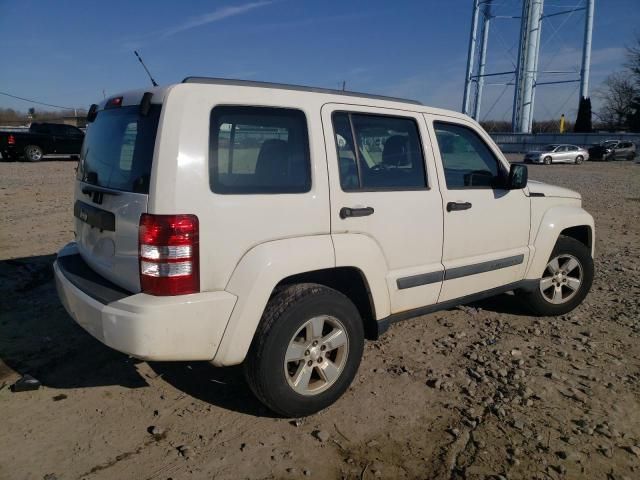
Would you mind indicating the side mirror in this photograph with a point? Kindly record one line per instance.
(518, 176)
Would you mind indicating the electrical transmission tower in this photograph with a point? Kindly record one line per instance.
(525, 74)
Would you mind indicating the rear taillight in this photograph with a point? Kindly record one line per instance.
(11, 140)
(169, 254)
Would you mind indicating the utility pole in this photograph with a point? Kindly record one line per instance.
(471, 57)
(484, 41)
(529, 68)
(586, 50)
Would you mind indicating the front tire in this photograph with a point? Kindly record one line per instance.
(547, 160)
(565, 281)
(33, 153)
(579, 159)
(306, 350)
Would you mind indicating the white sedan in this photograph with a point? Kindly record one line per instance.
(557, 154)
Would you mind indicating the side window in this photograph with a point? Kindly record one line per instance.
(258, 150)
(40, 128)
(58, 129)
(385, 154)
(72, 131)
(467, 160)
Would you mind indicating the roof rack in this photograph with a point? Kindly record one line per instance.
(299, 88)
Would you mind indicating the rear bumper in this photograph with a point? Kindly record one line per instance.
(184, 327)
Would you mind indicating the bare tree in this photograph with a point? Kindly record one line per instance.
(633, 60)
(617, 93)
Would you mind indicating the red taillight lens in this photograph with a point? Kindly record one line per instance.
(169, 254)
(11, 140)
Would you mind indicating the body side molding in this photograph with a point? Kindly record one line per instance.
(385, 323)
(458, 272)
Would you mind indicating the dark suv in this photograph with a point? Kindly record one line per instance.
(613, 150)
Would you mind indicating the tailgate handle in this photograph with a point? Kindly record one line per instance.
(454, 206)
(355, 212)
(89, 189)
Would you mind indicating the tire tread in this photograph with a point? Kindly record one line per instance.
(281, 300)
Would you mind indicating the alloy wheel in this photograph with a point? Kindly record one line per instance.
(561, 279)
(316, 355)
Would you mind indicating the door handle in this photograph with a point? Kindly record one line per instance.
(451, 206)
(355, 212)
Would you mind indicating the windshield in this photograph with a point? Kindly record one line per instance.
(118, 149)
(549, 148)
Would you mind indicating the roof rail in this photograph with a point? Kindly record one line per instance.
(299, 88)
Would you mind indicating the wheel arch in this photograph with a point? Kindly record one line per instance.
(253, 281)
(571, 221)
(351, 282)
(581, 233)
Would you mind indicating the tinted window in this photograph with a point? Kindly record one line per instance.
(467, 160)
(117, 151)
(57, 129)
(72, 131)
(259, 150)
(40, 128)
(385, 153)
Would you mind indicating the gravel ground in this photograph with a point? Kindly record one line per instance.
(481, 391)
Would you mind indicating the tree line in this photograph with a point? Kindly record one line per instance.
(620, 94)
(11, 117)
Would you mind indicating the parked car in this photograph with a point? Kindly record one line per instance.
(613, 150)
(39, 140)
(557, 154)
(277, 226)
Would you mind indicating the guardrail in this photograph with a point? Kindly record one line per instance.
(525, 142)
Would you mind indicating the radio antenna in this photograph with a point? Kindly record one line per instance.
(146, 69)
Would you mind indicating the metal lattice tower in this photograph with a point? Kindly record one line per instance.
(525, 74)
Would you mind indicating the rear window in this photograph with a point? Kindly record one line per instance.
(258, 150)
(118, 149)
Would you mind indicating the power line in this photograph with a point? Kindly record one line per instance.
(36, 101)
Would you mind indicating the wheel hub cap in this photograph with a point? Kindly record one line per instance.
(561, 279)
(316, 355)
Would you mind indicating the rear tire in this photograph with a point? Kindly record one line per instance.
(579, 159)
(285, 369)
(566, 280)
(547, 160)
(33, 153)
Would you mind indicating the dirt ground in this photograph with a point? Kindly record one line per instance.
(481, 391)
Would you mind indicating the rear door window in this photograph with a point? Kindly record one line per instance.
(117, 151)
(385, 154)
(258, 150)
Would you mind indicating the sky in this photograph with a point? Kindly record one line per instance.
(71, 53)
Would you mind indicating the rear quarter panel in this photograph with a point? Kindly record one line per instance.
(231, 225)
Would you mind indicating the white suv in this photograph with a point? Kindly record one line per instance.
(277, 226)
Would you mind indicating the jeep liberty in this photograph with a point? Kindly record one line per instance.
(277, 226)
